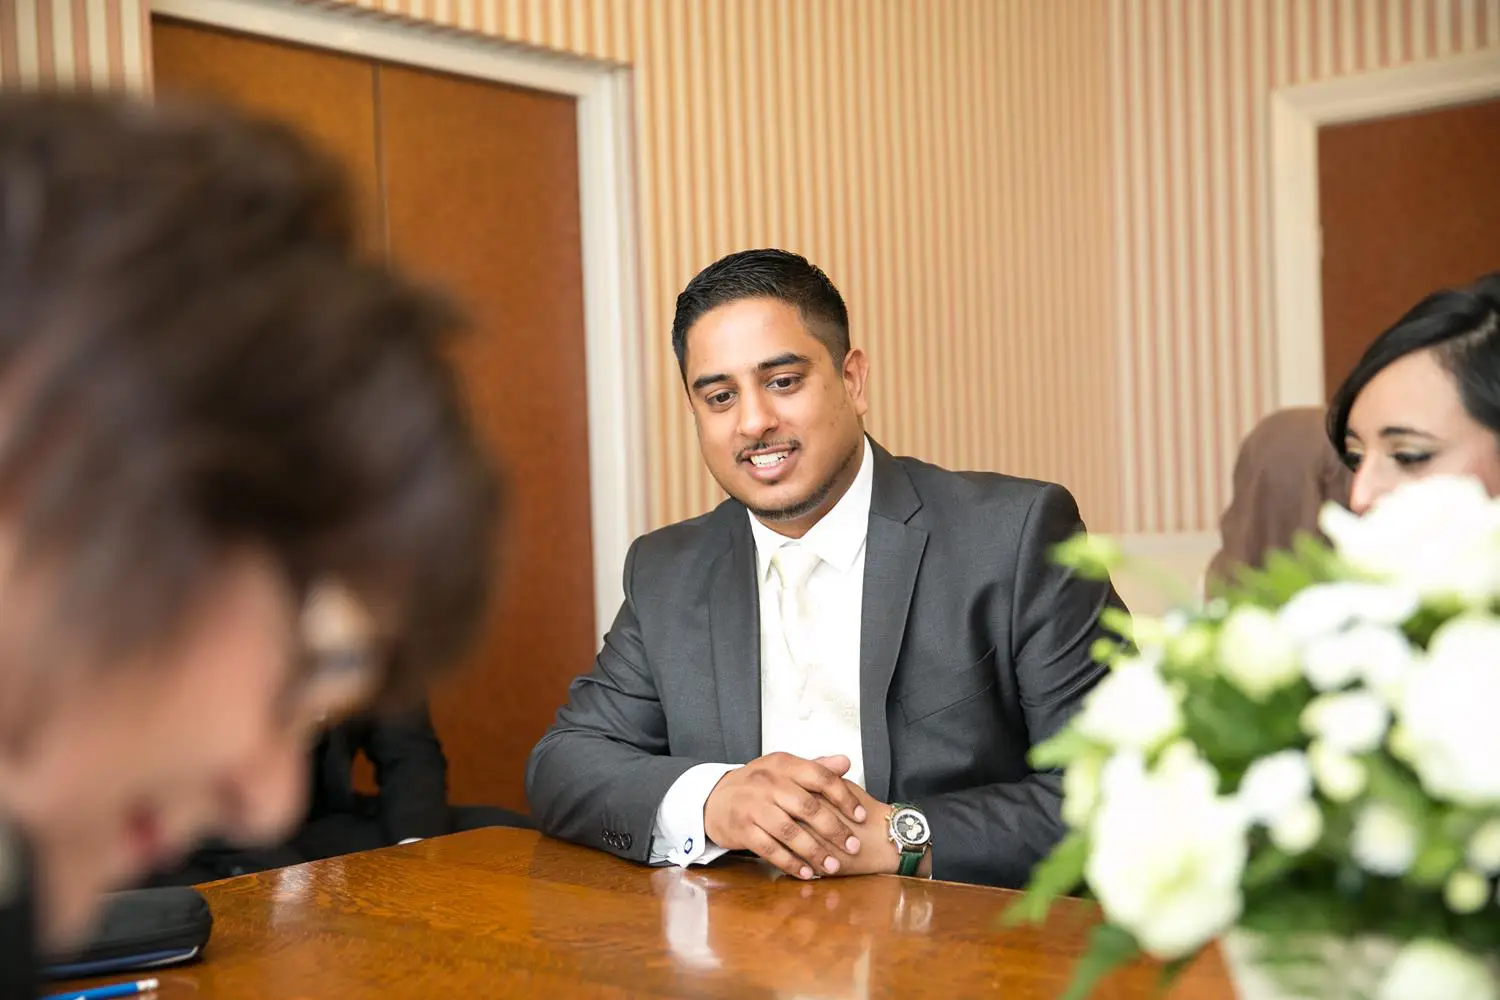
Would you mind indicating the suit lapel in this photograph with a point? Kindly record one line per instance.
(734, 619)
(893, 554)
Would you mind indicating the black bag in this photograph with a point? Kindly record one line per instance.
(141, 929)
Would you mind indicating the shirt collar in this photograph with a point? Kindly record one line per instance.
(839, 535)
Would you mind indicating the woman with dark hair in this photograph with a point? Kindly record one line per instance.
(1425, 398)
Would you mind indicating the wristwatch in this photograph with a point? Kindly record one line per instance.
(911, 835)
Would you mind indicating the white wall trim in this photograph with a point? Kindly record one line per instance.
(1296, 115)
(612, 326)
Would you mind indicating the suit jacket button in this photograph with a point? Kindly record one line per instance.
(625, 842)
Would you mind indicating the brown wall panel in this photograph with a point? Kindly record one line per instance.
(1408, 205)
(329, 96)
(482, 196)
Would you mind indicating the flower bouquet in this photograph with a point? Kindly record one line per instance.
(1306, 767)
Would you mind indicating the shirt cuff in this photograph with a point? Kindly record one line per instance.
(678, 838)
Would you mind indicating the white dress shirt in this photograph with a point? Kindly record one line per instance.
(809, 708)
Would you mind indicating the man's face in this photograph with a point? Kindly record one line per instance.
(128, 765)
(779, 424)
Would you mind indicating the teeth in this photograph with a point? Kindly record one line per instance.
(766, 461)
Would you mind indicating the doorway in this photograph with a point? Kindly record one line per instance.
(1408, 205)
(473, 185)
(1413, 98)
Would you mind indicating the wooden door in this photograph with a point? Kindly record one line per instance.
(481, 188)
(474, 186)
(330, 97)
(1409, 205)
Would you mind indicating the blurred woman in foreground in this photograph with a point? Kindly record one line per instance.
(239, 494)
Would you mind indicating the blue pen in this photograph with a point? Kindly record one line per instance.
(105, 992)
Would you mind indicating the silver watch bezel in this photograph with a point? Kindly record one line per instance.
(912, 846)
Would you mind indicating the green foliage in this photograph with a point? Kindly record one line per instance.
(1118, 623)
(1090, 556)
(1064, 748)
(1233, 730)
(1057, 875)
(1109, 948)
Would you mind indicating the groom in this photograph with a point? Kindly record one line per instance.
(843, 667)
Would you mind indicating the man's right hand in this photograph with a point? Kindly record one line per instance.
(788, 811)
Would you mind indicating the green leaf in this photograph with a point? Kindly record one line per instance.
(1170, 972)
(1436, 860)
(1090, 556)
(1267, 866)
(1109, 948)
(1062, 749)
(1390, 782)
(1056, 875)
(1119, 622)
(1105, 651)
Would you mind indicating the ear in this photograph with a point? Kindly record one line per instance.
(856, 376)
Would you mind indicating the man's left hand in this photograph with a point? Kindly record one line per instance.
(878, 854)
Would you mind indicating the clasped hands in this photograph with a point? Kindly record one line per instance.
(803, 816)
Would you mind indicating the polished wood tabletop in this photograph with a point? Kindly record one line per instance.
(502, 913)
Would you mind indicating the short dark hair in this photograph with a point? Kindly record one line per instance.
(195, 356)
(1462, 327)
(771, 274)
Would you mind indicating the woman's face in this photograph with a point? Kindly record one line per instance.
(1409, 423)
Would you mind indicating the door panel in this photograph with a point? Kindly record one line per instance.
(1409, 205)
(474, 186)
(481, 186)
(330, 97)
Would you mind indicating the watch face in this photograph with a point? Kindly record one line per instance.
(910, 828)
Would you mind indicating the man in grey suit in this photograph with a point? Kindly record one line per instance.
(842, 668)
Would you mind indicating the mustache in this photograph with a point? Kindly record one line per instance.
(745, 452)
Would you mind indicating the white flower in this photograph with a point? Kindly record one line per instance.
(1168, 851)
(1298, 828)
(1384, 841)
(1352, 721)
(1277, 793)
(1326, 609)
(1275, 784)
(1080, 787)
(1447, 732)
(1378, 654)
(1131, 708)
(1435, 970)
(1255, 654)
(1466, 891)
(1439, 535)
(1339, 776)
(1484, 847)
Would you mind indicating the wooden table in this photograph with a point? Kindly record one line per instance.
(497, 913)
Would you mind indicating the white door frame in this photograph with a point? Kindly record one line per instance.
(1297, 238)
(612, 326)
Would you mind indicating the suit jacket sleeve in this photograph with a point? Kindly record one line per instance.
(996, 834)
(599, 773)
(412, 775)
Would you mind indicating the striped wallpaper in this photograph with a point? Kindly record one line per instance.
(1049, 216)
(100, 44)
(1190, 85)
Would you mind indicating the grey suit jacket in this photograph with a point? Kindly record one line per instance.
(973, 647)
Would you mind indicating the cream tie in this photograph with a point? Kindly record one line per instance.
(794, 566)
